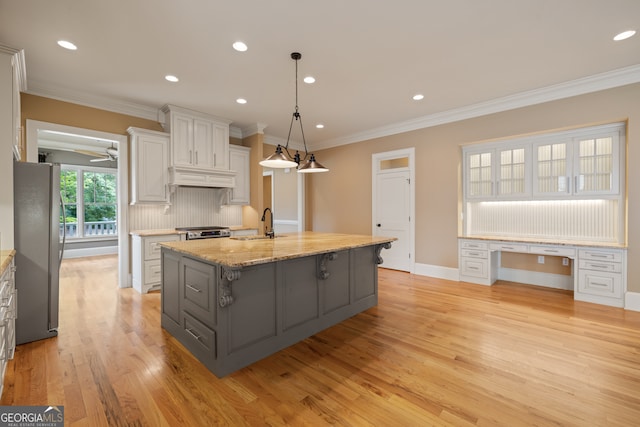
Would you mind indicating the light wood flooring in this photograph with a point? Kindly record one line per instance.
(432, 352)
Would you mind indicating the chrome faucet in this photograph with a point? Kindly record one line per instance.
(270, 233)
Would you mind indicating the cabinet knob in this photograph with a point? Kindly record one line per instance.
(379, 225)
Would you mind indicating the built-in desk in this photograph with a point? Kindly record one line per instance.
(599, 271)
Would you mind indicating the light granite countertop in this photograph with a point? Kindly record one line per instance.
(237, 253)
(159, 232)
(6, 255)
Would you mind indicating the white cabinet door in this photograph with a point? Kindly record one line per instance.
(149, 166)
(220, 146)
(239, 162)
(512, 175)
(552, 168)
(203, 150)
(181, 140)
(596, 164)
(479, 174)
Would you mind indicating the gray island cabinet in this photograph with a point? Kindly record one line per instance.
(232, 302)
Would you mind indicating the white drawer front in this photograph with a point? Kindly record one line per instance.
(611, 267)
(474, 267)
(152, 272)
(508, 247)
(553, 250)
(152, 246)
(600, 284)
(596, 255)
(466, 244)
(473, 253)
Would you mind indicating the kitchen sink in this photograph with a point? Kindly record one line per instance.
(256, 237)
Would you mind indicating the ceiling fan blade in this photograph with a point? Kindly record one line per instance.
(90, 153)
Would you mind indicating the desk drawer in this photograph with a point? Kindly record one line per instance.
(600, 255)
(612, 267)
(553, 250)
(474, 267)
(466, 244)
(600, 284)
(508, 247)
(473, 253)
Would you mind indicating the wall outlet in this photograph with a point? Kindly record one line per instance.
(540, 259)
(565, 261)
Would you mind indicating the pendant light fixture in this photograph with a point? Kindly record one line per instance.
(282, 158)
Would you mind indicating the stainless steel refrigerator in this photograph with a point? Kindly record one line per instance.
(38, 249)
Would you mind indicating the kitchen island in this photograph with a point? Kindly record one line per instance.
(234, 301)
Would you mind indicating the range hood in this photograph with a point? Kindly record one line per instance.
(194, 177)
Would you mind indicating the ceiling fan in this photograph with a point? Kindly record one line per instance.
(111, 154)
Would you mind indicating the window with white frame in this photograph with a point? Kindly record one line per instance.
(90, 202)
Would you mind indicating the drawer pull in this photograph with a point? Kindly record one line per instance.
(193, 334)
(551, 251)
(507, 247)
(193, 288)
(602, 285)
(601, 266)
(600, 256)
(473, 268)
(474, 253)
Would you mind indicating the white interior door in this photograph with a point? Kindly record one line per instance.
(393, 207)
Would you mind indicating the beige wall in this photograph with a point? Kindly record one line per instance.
(65, 113)
(340, 201)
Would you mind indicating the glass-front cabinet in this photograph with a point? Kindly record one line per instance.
(497, 173)
(584, 165)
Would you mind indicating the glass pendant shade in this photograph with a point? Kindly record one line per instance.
(278, 160)
(312, 166)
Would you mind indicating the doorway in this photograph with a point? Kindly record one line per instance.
(35, 127)
(393, 206)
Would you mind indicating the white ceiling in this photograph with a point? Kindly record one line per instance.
(369, 57)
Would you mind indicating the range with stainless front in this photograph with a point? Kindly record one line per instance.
(206, 232)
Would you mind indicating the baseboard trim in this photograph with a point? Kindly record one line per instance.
(632, 301)
(85, 252)
(437, 271)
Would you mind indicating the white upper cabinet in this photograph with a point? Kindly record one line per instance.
(587, 164)
(198, 141)
(579, 163)
(149, 166)
(497, 173)
(239, 161)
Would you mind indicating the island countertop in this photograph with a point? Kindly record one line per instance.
(243, 252)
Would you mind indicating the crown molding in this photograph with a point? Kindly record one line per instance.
(19, 64)
(594, 83)
(252, 129)
(94, 101)
(597, 82)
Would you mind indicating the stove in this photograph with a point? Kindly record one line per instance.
(207, 232)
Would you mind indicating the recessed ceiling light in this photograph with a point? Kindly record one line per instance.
(67, 45)
(172, 79)
(241, 101)
(240, 46)
(309, 79)
(418, 97)
(320, 126)
(624, 35)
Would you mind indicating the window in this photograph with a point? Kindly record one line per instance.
(90, 198)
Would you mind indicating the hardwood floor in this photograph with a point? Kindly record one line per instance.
(433, 352)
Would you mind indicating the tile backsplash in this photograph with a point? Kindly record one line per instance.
(190, 206)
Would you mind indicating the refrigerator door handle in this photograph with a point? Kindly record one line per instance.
(64, 228)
